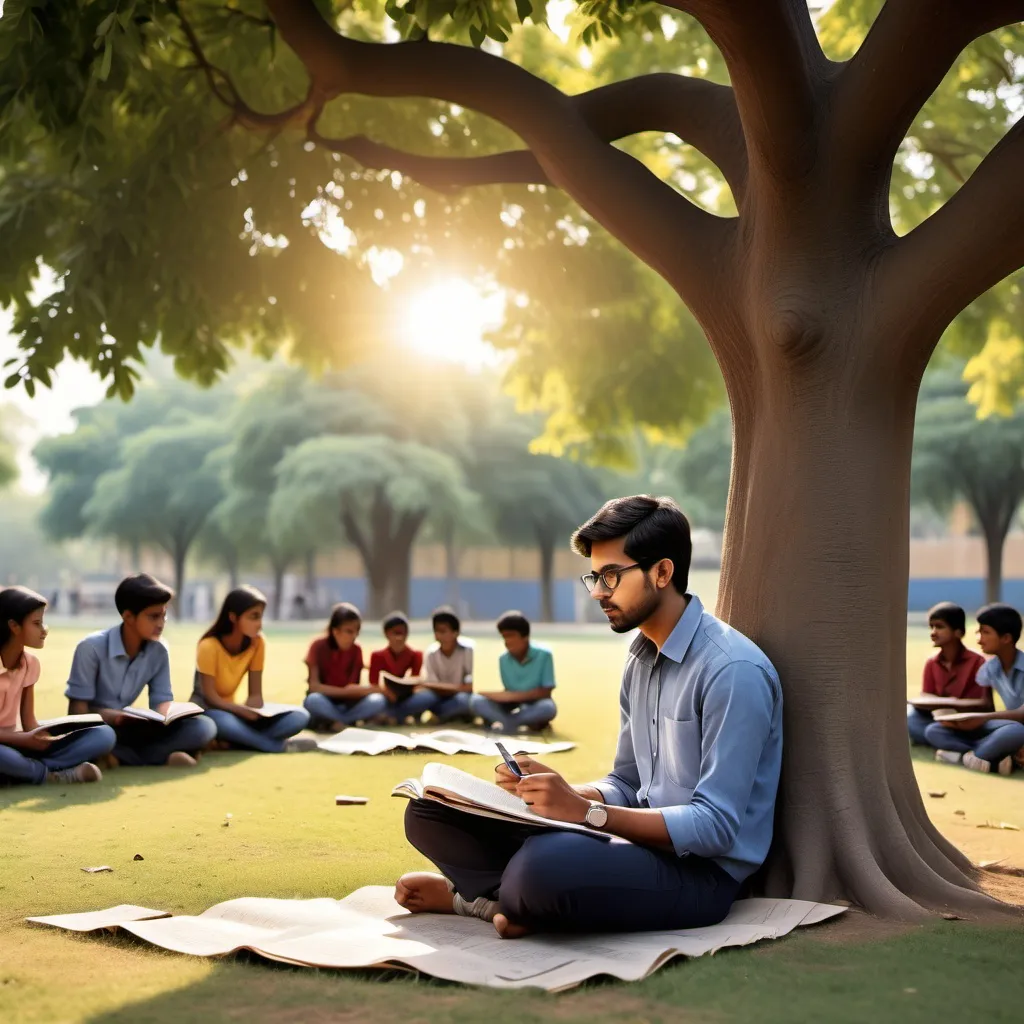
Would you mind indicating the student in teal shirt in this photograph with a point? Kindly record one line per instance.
(528, 677)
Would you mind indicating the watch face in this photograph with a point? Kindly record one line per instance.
(597, 816)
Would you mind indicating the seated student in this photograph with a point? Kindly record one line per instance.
(111, 668)
(987, 742)
(39, 758)
(399, 659)
(692, 787)
(335, 665)
(528, 676)
(449, 661)
(230, 649)
(951, 672)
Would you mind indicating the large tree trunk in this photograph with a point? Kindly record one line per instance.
(279, 568)
(995, 539)
(546, 545)
(178, 556)
(815, 566)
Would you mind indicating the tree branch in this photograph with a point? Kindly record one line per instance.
(663, 228)
(906, 54)
(701, 113)
(777, 68)
(970, 244)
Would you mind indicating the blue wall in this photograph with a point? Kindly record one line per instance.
(969, 594)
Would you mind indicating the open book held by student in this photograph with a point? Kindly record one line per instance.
(401, 687)
(178, 709)
(464, 792)
(933, 702)
(65, 726)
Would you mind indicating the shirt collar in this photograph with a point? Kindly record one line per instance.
(1018, 662)
(679, 640)
(115, 644)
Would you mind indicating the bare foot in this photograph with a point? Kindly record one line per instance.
(179, 759)
(424, 893)
(507, 930)
(337, 727)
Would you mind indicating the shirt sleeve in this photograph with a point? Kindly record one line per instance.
(417, 662)
(619, 787)
(467, 666)
(84, 671)
(355, 667)
(502, 662)
(160, 689)
(546, 671)
(984, 676)
(928, 680)
(313, 654)
(31, 671)
(736, 721)
(259, 655)
(430, 666)
(206, 657)
(376, 664)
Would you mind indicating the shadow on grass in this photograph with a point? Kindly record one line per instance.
(919, 975)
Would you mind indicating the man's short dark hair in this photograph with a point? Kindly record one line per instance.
(445, 616)
(514, 622)
(140, 591)
(951, 614)
(394, 620)
(1003, 618)
(654, 528)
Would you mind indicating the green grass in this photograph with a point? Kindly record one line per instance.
(287, 839)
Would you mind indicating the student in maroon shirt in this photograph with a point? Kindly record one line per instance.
(952, 671)
(335, 666)
(399, 659)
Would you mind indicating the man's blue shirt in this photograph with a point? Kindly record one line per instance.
(103, 674)
(1009, 685)
(701, 740)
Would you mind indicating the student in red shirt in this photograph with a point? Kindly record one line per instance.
(399, 659)
(336, 695)
(952, 671)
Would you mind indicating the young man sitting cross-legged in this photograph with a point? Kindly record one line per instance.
(692, 788)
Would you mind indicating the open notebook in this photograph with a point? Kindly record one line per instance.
(456, 788)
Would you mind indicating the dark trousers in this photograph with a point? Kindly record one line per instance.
(566, 881)
(148, 743)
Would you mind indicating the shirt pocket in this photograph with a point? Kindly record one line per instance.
(680, 750)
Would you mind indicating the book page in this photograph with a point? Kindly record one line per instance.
(364, 741)
(930, 701)
(143, 715)
(182, 709)
(271, 710)
(65, 724)
(94, 920)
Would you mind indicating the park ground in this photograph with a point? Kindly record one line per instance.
(288, 839)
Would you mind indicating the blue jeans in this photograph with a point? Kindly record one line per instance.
(458, 705)
(992, 742)
(266, 735)
(565, 881)
(534, 715)
(146, 743)
(322, 707)
(67, 752)
(414, 705)
(917, 722)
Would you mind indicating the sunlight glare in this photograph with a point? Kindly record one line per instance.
(449, 319)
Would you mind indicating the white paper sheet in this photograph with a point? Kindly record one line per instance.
(442, 741)
(368, 929)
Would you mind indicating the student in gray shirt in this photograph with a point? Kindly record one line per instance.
(449, 662)
(111, 668)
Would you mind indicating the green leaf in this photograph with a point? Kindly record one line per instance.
(108, 57)
(477, 35)
(104, 26)
(524, 8)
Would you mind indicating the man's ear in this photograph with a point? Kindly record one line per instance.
(665, 570)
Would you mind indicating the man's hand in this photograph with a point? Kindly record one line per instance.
(527, 765)
(39, 742)
(247, 714)
(502, 696)
(254, 700)
(550, 796)
(111, 716)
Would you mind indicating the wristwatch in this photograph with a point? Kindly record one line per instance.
(597, 814)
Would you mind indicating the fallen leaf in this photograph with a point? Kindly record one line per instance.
(960, 812)
(94, 871)
(937, 793)
(138, 856)
(998, 824)
(950, 917)
(983, 864)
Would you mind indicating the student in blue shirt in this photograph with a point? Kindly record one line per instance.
(528, 677)
(692, 787)
(111, 668)
(989, 742)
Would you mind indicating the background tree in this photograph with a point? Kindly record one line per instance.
(8, 455)
(162, 493)
(820, 315)
(981, 460)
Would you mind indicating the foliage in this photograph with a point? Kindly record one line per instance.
(8, 455)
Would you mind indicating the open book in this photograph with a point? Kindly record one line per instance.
(179, 709)
(456, 788)
(270, 710)
(932, 702)
(956, 716)
(66, 725)
(401, 687)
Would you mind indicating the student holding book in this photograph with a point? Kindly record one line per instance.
(231, 649)
(30, 755)
(390, 665)
(111, 668)
(528, 677)
(336, 695)
(692, 787)
(448, 667)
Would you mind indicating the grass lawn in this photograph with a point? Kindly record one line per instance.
(287, 839)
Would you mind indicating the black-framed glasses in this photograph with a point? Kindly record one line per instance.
(610, 578)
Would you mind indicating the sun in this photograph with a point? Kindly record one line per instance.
(448, 320)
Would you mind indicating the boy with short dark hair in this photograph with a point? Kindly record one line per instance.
(448, 667)
(399, 659)
(987, 742)
(528, 677)
(111, 668)
(951, 672)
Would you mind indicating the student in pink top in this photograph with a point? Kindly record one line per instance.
(37, 758)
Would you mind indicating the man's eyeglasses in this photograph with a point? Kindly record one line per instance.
(609, 578)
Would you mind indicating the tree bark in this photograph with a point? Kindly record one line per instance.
(279, 568)
(179, 553)
(546, 546)
(815, 565)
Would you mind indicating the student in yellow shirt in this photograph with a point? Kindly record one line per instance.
(230, 649)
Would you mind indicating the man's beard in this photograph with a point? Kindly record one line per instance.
(638, 614)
